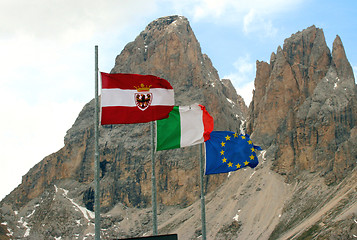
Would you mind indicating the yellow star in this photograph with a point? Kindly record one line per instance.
(246, 163)
(253, 150)
(228, 138)
(251, 157)
(223, 144)
(238, 165)
(250, 142)
(243, 137)
(235, 135)
(224, 160)
(230, 164)
(222, 152)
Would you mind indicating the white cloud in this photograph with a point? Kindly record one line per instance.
(243, 78)
(252, 15)
(253, 22)
(245, 66)
(246, 91)
(68, 20)
(41, 70)
(212, 8)
(355, 72)
(29, 132)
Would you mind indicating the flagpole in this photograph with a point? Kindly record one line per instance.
(203, 207)
(153, 182)
(96, 158)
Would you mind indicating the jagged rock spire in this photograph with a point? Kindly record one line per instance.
(303, 104)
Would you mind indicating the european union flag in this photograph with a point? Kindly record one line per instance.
(228, 151)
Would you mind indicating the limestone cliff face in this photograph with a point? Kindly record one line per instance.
(304, 107)
(168, 49)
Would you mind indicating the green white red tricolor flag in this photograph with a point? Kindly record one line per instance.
(134, 98)
(186, 126)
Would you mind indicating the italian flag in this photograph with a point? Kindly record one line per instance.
(185, 126)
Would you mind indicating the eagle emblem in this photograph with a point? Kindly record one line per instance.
(143, 97)
(143, 100)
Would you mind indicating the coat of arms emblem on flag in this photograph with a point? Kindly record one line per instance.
(143, 97)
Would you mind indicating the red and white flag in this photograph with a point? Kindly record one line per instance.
(134, 98)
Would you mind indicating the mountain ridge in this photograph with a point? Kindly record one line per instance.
(316, 115)
(299, 112)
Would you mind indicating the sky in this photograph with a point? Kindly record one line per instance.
(47, 56)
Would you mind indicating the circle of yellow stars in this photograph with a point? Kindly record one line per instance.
(229, 163)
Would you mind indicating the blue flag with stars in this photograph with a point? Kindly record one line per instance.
(228, 151)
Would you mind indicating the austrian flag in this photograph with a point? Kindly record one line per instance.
(134, 98)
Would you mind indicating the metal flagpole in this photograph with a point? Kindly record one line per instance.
(203, 207)
(96, 157)
(153, 182)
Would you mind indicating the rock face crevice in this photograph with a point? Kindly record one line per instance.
(304, 107)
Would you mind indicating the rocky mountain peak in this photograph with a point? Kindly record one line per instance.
(168, 48)
(167, 24)
(303, 107)
(340, 60)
